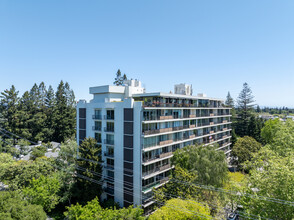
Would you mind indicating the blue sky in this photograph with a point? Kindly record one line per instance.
(214, 45)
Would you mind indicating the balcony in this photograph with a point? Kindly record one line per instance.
(163, 180)
(165, 167)
(167, 154)
(192, 136)
(109, 190)
(165, 142)
(192, 116)
(94, 128)
(155, 184)
(225, 121)
(109, 117)
(166, 117)
(97, 117)
(156, 169)
(211, 123)
(106, 154)
(224, 129)
(108, 129)
(211, 132)
(211, 114)
(192, 126)
(109, 167)
(107, 141)
(211, 140)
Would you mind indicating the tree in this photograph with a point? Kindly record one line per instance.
(209, 165)
(181, 209)
(244, 108)
(43, 191)
(229, 101)
(244, 148)
(270, 176)
(64, 113)
(6, 160)
(8, 108)
(12, 206)
(254, 127)
(93, 210)
(269, 131)
(20, 173)
(38, 151)
(119, 79)
(89, 165)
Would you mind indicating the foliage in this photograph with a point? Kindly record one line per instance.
(64, 113)
(39, 114)
(229, 101)
(38, 151)
(269, 130)
(119, 79)
(20, 173)
(43, 191)
(244, 148)
(180, 185)
(68, 151)
(271, 176)
(279, 136)
(12, 206)
(244, 110)
(6, 160)
(209, 165)
(254, 128)
(93, 210)
(89, 165)
(181, 209)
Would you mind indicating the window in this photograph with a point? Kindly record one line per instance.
(110, 114)
(98, 137)
(110, 126)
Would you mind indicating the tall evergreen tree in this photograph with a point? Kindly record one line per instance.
(229, 101)
(8, 107)
(64, 114)
(245, 109)
(119, 79)
(87, 190)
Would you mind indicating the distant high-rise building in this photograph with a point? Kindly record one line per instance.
(139, 132)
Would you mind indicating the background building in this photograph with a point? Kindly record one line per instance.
(139, 132)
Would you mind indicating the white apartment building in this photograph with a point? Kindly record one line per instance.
(139, 132)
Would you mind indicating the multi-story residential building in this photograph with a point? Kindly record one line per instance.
(139, 132)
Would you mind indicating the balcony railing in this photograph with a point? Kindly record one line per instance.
(108, 129)
(109, 190)
(107, 141)
(109, 117)
(156, 169)
(106, 154)
(167, 154)
(99, 117)
(165, 142)
(95, 128)
(154, 184)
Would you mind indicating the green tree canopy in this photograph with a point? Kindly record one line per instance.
(43, 191)
(271, 176)
(92, 210)
(13, 207)
(245, 108)
(244, 148)
(20, 173)
(206, 162)
(89, 165)
(176, 209)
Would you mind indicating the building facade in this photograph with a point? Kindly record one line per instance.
(139, 132)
